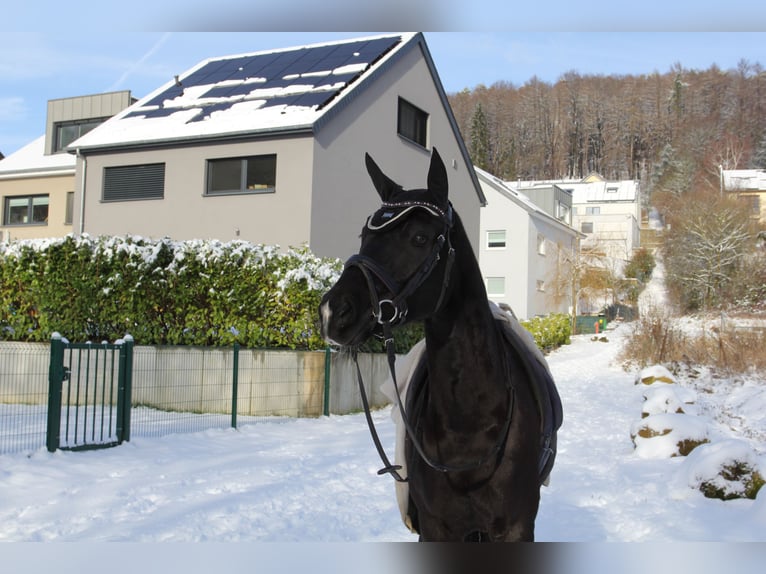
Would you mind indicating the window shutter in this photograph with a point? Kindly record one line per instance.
(131, 182)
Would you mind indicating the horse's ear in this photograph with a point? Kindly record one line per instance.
(384, 185)
(437, 178)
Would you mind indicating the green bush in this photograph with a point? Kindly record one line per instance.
(641, 265)
(550, 331)
(163, 292)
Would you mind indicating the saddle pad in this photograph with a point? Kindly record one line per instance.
(543, 386)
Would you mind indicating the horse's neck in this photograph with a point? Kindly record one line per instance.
(462, 340)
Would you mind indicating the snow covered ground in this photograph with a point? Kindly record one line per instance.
(314, 480)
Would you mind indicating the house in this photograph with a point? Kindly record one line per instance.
(269, 147)
(524, 249)
(750, 186)
(37, 182)
(608, 213)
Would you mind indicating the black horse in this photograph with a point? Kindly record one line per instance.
(481, 410)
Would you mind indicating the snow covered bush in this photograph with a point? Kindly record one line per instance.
(661, 398)
(163, 292)
(726, 470)
(668, 435)
(655, 374)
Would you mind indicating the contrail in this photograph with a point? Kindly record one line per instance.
(157, 45)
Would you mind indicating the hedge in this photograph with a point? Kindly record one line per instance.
(162, 292)
(550, 331)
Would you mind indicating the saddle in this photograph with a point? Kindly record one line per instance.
(411, 372)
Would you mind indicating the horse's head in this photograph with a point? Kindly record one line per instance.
(401, 272)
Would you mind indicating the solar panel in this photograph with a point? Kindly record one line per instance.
(299, 77)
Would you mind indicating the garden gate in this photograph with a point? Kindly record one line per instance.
(89, 388)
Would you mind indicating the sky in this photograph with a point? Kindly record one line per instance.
(44, 57)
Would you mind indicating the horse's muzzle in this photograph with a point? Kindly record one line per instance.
(345, 314)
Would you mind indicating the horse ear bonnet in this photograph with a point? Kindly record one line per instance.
(393, 212)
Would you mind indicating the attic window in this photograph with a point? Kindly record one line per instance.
(67, 132)
(412, 123)
(254, 174)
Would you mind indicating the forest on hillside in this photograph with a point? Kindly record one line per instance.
(672, 131)
(622, 127)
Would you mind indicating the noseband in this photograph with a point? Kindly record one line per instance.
(393, 310)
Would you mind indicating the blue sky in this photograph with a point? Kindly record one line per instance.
(130, 50)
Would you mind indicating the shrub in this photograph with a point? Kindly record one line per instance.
(163, 292)
(641, 265)
(550, 331)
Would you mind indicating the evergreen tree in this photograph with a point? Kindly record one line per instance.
(480, 138)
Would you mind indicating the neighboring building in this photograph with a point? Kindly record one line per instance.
(750, 186)
(608, 213)
(269, 147)
(37, 182)
(524, 248)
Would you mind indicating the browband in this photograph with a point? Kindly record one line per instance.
(390, 213)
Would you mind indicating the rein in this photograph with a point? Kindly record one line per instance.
(394, 469)
(398, 312)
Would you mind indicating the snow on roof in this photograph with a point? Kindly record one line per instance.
(31, 160)
(744, 179)
(519, 197)
(593, 190)
(251, 93)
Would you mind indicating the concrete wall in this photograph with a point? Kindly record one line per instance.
(199, 379)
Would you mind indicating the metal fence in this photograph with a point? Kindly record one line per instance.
(189, 389)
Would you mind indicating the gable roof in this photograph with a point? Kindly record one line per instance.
(285, 90)
(31, 161)
(523, 201)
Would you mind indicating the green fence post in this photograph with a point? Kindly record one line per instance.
(55, 386)
(235, 385)
(327, 361)
(125, 389)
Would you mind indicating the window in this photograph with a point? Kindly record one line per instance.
(69, 208)
(134, 182)
(563, 212)
(26, 210)
(254, 174)
(593, 210)
(611, 190)
(541, 244)
(495, 286)
(540, 285)
(496, 239)
(67, 132)
(412, 123)
(586, 227)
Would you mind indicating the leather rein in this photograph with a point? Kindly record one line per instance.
(392, 311)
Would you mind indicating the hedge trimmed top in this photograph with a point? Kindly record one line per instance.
(162, 292)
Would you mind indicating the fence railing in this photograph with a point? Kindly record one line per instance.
(187, 389)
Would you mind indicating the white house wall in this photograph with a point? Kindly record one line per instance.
(530, 276)
(343, 193)
(511, 262)
(185, 212)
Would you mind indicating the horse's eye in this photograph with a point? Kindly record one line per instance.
(420, 239)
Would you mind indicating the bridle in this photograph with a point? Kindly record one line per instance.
(392, 311)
